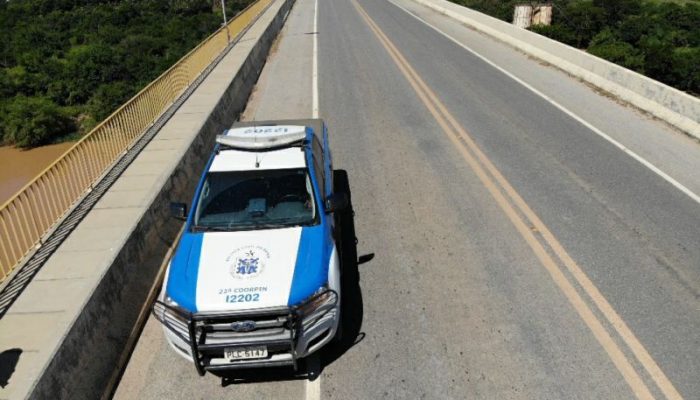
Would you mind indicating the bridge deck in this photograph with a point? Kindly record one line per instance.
(452, 300)
(466, 290)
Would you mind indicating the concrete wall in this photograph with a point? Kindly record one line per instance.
(662, 101)
(85, 359)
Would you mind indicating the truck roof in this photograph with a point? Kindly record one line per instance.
(257, 157)
(238, 160)
(315, 124)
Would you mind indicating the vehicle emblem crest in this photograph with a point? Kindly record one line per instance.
(247, 262)
(243, 326)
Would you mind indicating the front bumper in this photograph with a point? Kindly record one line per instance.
(288, 333)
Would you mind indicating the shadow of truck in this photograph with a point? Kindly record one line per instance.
(351, 306)
(8, 362)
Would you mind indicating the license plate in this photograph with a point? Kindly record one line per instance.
(245, 353)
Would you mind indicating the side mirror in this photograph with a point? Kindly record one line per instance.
(178, 211)
(337, 202)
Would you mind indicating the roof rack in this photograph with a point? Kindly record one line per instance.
(262, 137)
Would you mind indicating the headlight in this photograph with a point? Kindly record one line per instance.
(172, 303)
(172, 316)
(172, 310)
(323, 301)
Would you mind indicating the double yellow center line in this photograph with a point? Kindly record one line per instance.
(536, 234)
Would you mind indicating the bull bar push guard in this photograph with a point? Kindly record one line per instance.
(186, 325)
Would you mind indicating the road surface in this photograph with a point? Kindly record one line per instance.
(506, 249)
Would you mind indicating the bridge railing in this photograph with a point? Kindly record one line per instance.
(32, 213)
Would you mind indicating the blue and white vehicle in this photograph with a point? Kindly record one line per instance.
(255, 278)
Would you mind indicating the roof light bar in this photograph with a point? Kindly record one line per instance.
(262, 137)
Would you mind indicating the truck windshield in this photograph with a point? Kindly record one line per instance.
(263, 199)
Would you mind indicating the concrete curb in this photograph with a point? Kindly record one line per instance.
(662, 101)
(83, 362)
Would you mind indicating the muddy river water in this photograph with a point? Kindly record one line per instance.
(18, 167)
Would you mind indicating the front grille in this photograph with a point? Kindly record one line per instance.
(264, 326)
(276, 329)
(268, 327)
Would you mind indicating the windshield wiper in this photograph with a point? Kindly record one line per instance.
(205, 228)
(250, 227)
(244, 227)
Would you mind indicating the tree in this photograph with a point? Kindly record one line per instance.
(685, 69)
(609, 46)
(86, 57)
(658, 52)
(583, 18)
(617, 10)
(33, 121)
(87, 67)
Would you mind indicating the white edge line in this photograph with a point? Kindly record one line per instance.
(566, 111)
(314, 71)
(313, 387)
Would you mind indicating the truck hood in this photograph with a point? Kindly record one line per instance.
(230, 271)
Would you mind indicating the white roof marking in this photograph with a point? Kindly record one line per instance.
(261, 137)
(237, 160)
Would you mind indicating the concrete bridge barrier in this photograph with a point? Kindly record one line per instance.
(662, 101)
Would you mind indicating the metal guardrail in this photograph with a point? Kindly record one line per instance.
(31, 214)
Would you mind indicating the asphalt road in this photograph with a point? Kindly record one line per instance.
(506, 250)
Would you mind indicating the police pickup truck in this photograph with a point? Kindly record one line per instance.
(255, 278)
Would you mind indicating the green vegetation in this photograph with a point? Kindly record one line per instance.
(67, 64)
(657, 38)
